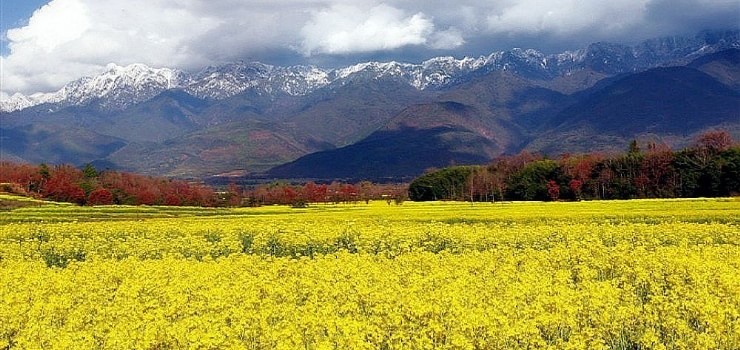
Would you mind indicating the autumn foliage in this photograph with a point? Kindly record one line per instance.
(311, 192)
(65, 183)
(100, 196)
(708, 168)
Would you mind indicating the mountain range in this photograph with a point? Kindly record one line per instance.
(380, 119)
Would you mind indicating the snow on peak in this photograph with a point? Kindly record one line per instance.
(16, 102)
(298, 80)
(219, 82)
(121, 86)
(118, 87)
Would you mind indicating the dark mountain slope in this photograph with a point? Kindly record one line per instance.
(505, 96)
(723, 66)
(343, 115)
(79, 135)
(169, 115)
(397, 154)
(248, 134)
(250, 146)
(668, 103)
(48, 144)
(420, 137)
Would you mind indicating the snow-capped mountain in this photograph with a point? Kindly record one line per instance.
(219, 82)
(433, 73)
(120, 87)
(253, 116)
(20, 101)
(115, 89)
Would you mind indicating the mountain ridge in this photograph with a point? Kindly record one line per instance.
(119, 87)
(251, 117)
(664, 105)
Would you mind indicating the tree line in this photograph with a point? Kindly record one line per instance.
(88, 186)
(300, 195)
(708, 168)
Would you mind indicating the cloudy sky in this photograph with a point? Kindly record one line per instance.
(46, 44)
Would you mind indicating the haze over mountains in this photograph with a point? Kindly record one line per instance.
(380, 119)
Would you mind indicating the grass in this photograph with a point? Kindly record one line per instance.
(445, 275)
(700, 210)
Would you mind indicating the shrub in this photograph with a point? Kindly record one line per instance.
(100, 196)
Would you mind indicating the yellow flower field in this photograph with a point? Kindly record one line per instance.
(646, 274)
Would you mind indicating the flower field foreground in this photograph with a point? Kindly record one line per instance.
(590, 275)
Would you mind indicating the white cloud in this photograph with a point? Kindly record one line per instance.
(343, 29)
(43, 28)
(68, 39)
(565, 17)
(447, 39)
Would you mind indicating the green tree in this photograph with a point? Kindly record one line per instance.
(90, 178)
(44, 171)
(445, 184)
(730, 168)
(531, 182)
(89, 171)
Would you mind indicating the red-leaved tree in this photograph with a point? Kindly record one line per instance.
(100, 196)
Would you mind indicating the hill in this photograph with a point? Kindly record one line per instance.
(246, 118)
(449, 135)
(669, 104)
